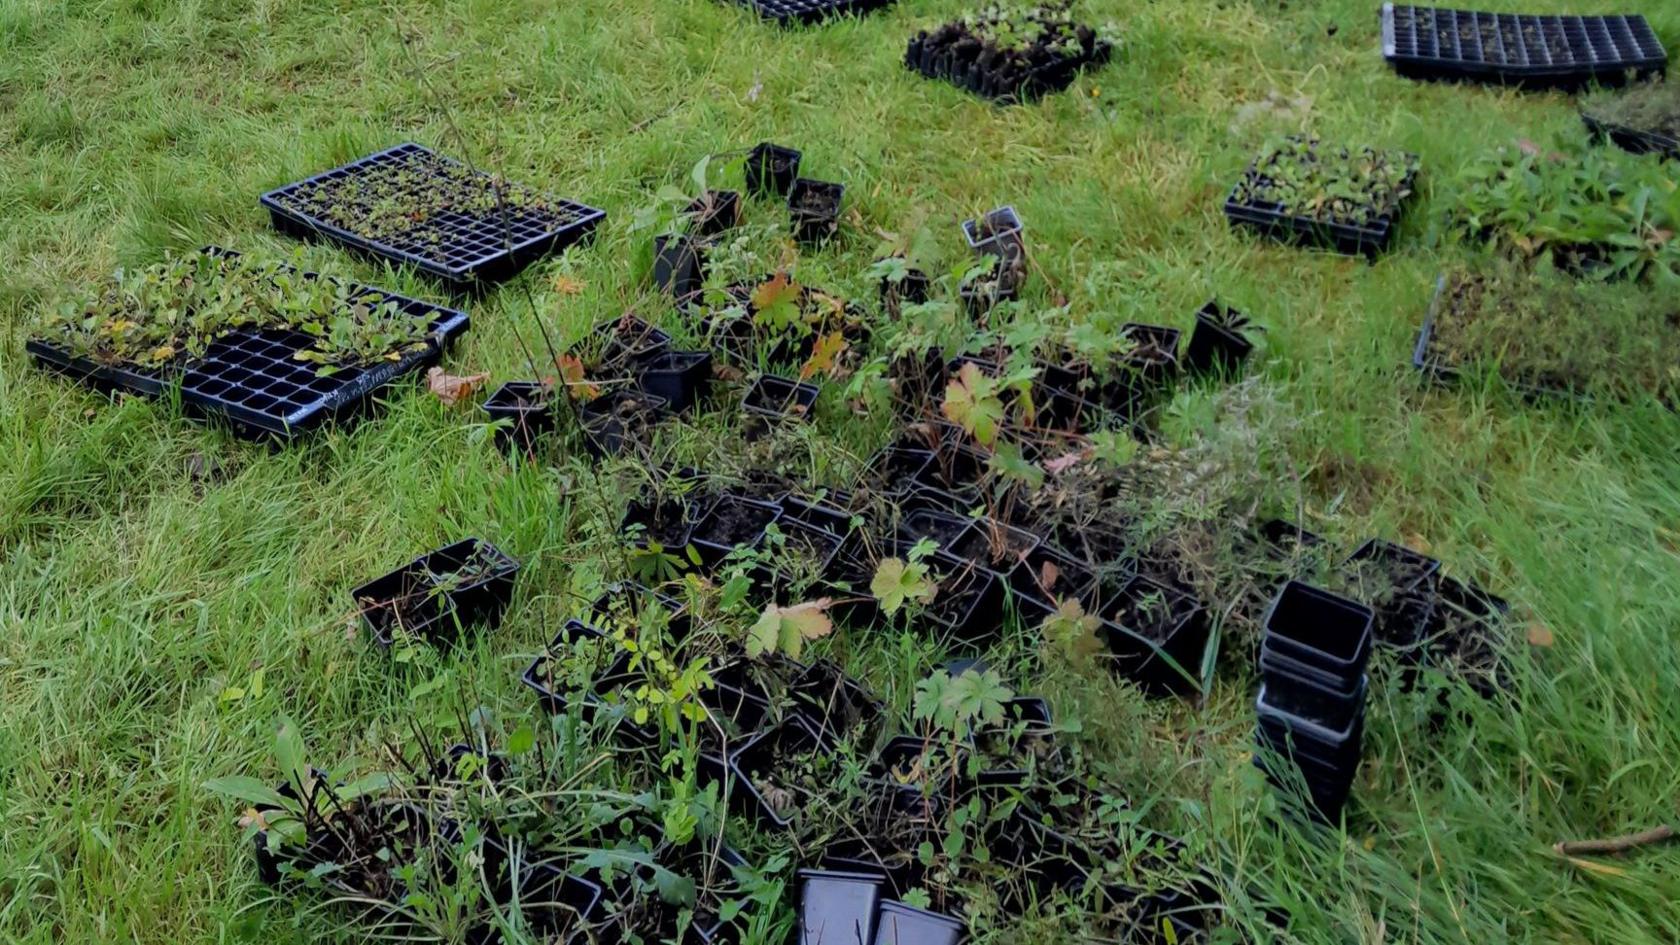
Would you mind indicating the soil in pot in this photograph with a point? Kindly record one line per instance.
(1399, 584)
(815, 209)
(834, 705)
(733, 521)
(714, 212)
(783, 773)
(779, 398)
(616, 422)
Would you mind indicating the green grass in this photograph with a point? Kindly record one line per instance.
(132, 594)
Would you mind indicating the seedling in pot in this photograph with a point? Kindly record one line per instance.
(778, 398)
(679, 267)
(835, 706)
(522, 412)
(1009, 55)
(437, 594)
(1399, 584)
(733, 522)
(1220, 340)
(814, 206)
(901, 283)
(619, 421)
(771, 169)
(714, 211)
(989, 283)
(1157, 635)
(782, 774)
(998, 233)
(1008, 753)
(1469, 636)
(614, 348)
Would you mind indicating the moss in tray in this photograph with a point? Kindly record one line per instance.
(1650, 107)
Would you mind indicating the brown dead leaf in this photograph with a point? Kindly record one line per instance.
(453, 388)
(576, 378)
(1528, 147)
(566, 285)
(1540, 635)
(824, 355)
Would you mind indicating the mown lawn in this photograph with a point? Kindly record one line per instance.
(167, 591)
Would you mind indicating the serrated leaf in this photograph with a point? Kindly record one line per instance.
(896, 583)
(786, 629)
(972, 402)
(824, 357)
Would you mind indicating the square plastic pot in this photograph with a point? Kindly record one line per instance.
(1401, 622)
(837, 908)
(1327, 723)
(429, 598)
(777, 398)
(1321, 631)
(765, 753)
(998, 233)
(970, 603)
(1166, 657)
(771, 169)
(679, 267)
(680, 378)
(618, 421)
(714, 212)
(529, 407)
(627, 341)
(733, 521)
(904, 924)
(834, 705)
(1214, 345)
(814, 207)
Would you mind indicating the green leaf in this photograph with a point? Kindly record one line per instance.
(289, 751)
(896, 583)
(972, 402)
(249, 790)
(523, 739)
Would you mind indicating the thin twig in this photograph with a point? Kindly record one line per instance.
(1621, 844)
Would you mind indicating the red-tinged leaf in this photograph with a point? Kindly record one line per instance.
(824, 356)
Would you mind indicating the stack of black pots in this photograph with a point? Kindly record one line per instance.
(1312, 694)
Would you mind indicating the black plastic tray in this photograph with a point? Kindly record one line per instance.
(1632, 139)
(1519, 49)
(1445, 374)
(1049, 78)
(1351, 239)
(250, 379)
(472, 249)
(787, 12)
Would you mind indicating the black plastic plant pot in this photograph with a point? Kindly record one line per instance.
(1632, 140)
(553, 901)
(488, 238)
(733, 522)
(998, 233)
(535, 676)
(679, 267)
(639, 601)
(1048, 577)
(619, 421)
(680, 378)
(913, 288)
(736, 695)
(714, 212)
(1409, 600)
(1327, 633)
(903, 924)
(467, 583)
(1327, 759)
(1534, 52)
(834, 705)
(592, 702)
(903, 800)
(771, 169)
(1154, 356)
(628, 340)
(817, 514)
(996, 546)
(1465, 638)
(1326, 795)
(838, 908)
(945, 529)
(765, 754)
(1157, 635)
(1329, 725)
(1285, 540)
(528, 407)
(1215, 343)
(1036, 724)
(956, 54)
(893, 861)
(666, 521)
(893, 470)
(969, 605)
(778, 398)
(814, 206)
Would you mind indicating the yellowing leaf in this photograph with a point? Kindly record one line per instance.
(786, 629)
(566, 285)
(575, 377)
(1540, 635)
(451, 388)
(971, 402)
(897, 583)
(824, 354)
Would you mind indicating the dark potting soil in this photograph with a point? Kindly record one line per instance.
(734, 522)
(1151, 611)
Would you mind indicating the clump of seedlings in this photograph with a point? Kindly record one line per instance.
(1009, 53)
(1302, 190)
(1593, 212)
(1544, 332)
(174, 310)
(1643, 118)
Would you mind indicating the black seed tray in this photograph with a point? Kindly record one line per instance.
(1519, 49)
(465, 249)
(788, 12)
(1441, 372)
(250, 379)
(1350, 239)
(935, 62)
(1632, 139)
